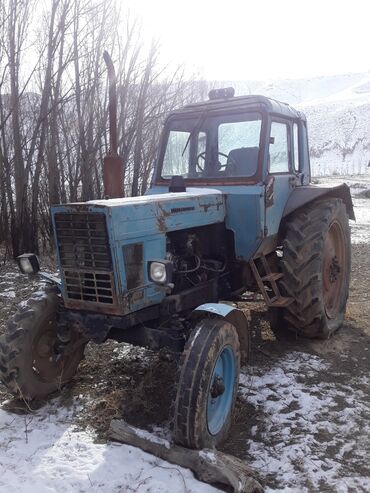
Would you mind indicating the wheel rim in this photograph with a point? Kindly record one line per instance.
(221, 390)
(334, 269)
(48, 363)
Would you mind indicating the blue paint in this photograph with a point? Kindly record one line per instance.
(146, 220)
(218, 408)
(282, 190)
(242, 208)
(244, 215)
(220, 309)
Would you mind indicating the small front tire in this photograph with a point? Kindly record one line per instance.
(207, 387)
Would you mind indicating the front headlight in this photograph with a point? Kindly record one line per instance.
(28, 263)
(160, 271)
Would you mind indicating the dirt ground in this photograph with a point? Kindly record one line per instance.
(303, 411)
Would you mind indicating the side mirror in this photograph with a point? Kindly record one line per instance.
(28, 263)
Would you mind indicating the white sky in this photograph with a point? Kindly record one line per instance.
(259, 39)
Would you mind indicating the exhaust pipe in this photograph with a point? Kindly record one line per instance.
(113, 163)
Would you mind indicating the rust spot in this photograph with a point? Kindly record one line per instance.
(161, 222)
(269, 191)
(164, 212)
(161, 219)
(205, 207)
(93, 307)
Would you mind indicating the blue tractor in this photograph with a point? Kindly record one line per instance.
(230, 209)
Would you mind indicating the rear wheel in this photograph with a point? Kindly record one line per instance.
(316, 266)
(33, 361)
(207, 387)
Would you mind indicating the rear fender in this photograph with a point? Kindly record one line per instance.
(303, 195)
(232, 315)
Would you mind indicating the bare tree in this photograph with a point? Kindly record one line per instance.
(53, 137)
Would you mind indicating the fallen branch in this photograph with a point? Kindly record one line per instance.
(210, 466)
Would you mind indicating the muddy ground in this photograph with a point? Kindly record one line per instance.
(303, 411)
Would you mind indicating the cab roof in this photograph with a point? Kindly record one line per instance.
(248, 103)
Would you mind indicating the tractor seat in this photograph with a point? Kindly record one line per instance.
(242, 161)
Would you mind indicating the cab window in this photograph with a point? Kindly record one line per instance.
(278, 150)
(176, 147)
(295, 147)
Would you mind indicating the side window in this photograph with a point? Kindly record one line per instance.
(295, 145)
(279, 157)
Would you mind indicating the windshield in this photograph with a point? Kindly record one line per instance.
(212, 146)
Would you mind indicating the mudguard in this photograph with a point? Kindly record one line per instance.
(305, 194)
(232, 315)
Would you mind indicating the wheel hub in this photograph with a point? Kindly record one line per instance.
(333, 270)
(218, 387)
(44, 346)
(50, 355)
(220, 393)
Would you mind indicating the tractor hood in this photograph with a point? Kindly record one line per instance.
(104, 246)
(134, 217)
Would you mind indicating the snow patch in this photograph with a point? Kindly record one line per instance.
(152, 438)
(7, 294)
(304, 417)
(208, 456)
(43, 452)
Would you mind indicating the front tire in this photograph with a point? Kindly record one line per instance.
(316, 265)
(31, 365)
(207, 387)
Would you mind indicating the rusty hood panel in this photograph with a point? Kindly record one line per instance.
(137, 220)
(135, 217)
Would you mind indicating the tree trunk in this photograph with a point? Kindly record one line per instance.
(210, 466)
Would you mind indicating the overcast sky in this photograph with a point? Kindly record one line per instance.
(259, 39)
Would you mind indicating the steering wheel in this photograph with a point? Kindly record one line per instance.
(202, 155)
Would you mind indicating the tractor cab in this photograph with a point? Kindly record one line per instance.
(251, 148)
(234, 141)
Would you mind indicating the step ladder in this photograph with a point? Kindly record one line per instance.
(265, 277)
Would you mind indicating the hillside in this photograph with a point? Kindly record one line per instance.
(338, 114)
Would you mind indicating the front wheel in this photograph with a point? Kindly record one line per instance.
(207, 387)
(33, 361)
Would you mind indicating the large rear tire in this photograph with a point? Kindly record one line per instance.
(316, 265)
(33, 362)
(207, 387)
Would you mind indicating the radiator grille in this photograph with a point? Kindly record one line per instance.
(85, 256)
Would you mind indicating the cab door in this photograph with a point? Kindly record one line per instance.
(281, 178)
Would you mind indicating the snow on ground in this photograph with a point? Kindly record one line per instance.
(360, 229)
(311, 435)
(43, 452)
(304, 418)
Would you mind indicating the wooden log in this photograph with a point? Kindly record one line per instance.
(210, 466)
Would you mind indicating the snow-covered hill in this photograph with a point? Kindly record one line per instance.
(338, 114)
